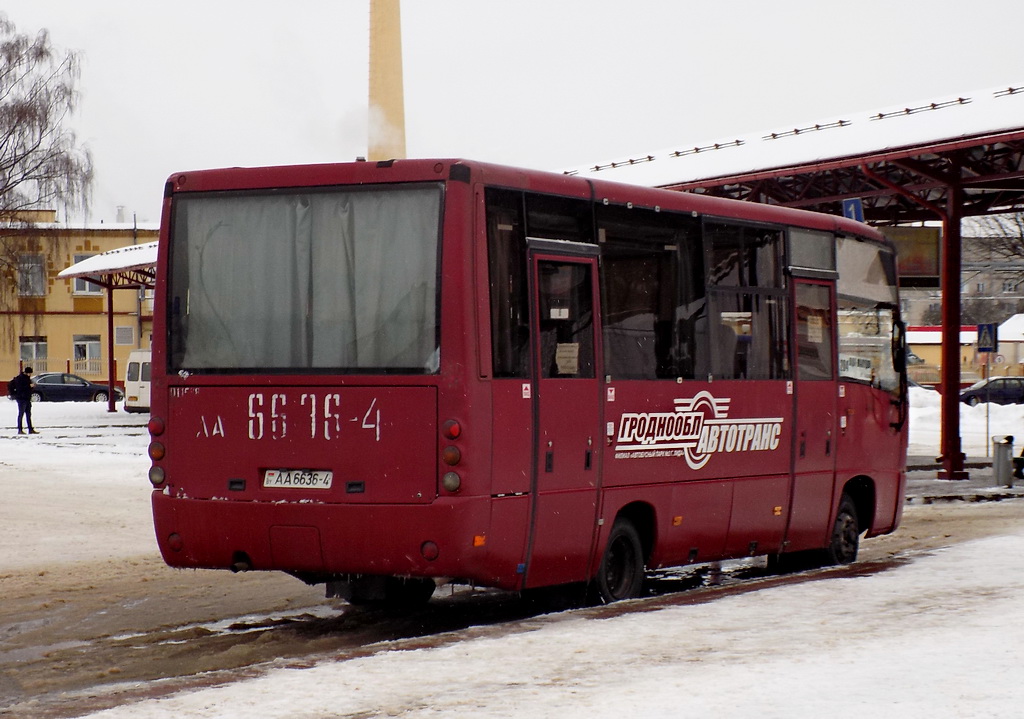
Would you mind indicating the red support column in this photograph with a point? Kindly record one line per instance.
(952, 458)
(111, 365)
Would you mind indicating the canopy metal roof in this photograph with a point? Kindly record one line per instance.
(123, 268)
(900, 162)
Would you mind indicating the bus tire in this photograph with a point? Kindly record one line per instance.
(845, 540)
(621, 575)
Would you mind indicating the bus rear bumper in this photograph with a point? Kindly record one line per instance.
(447, 538)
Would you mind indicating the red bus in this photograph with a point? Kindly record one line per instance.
(383, 375)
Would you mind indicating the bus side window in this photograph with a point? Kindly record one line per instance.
(506, 258)
(652, 289)
(747, 300)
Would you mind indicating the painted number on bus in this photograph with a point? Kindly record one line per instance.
(321, 414)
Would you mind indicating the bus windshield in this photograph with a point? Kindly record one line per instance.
(335, 279)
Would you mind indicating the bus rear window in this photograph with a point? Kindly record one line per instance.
(338, 279)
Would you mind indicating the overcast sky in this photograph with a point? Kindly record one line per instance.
(551, 84)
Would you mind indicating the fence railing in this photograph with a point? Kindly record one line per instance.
(90, 369)
(87, 366)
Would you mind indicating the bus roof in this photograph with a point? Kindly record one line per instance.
(425, 170)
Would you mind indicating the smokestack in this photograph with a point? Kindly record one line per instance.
(387, 103)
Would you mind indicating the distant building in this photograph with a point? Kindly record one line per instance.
(58, 325)
(988, 277)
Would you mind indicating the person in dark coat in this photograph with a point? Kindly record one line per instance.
(22, 393)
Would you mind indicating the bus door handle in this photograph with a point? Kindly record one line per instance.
(803, 444)
(828, 443)
(549, 461)
(587, 460)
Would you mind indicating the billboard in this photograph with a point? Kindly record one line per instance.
(918, 253)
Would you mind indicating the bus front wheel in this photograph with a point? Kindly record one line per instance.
(845, 541)
(621, 575)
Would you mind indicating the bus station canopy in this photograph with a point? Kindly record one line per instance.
(128, 267)
(900, 162)
(942, 159)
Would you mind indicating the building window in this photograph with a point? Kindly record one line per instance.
(980, 288)
(87, 354)
(83, 286)
(31, 276)
(33, 353)
(1009, 286)
(124, 335)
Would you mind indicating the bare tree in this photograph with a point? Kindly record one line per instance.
(42, 165)
(997, 245)
(41, 162)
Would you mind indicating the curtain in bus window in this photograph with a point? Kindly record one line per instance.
(332, 280)
(748, 336)
(866, 270)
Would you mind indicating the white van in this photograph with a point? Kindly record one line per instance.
(136, 382)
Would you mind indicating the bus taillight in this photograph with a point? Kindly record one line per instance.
(156, 476)
(157, 451)
(451, 455)
(452, 429)
(156, 426)
(451, 482)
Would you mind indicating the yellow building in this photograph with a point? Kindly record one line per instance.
(60, 325)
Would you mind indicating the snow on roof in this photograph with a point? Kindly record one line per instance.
(123, 259)
(1012, 330)
(975, 114)
(933, 335)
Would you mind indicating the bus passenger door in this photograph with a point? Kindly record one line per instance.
(815, 418)
(567, 406)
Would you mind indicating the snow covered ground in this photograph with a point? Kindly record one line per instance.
(939, 637)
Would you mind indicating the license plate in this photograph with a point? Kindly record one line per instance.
(298, 478)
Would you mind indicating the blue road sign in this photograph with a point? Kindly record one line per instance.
(988, 338)
(854, 209)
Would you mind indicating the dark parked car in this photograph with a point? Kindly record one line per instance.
(1001, 390)
(63, 387)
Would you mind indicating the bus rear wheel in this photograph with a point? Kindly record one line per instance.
(845, 540)
(621, 575)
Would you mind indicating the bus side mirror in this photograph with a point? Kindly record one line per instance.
(899, 347)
